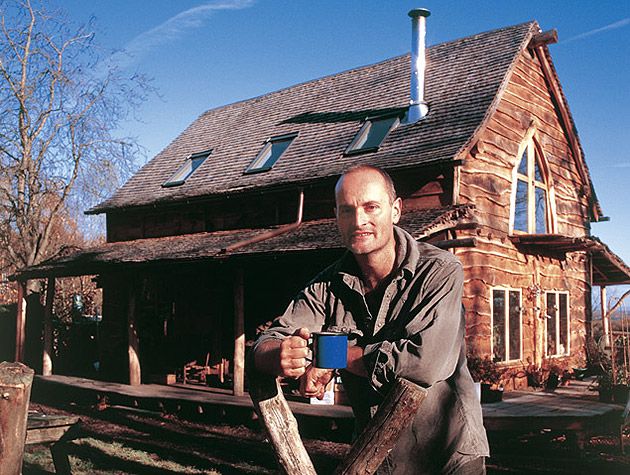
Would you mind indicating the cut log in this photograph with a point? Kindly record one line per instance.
(376, 441)
(16, 380)
(280, 426)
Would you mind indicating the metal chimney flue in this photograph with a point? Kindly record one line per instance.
(418, 108)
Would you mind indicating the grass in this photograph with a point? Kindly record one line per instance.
(89, 456)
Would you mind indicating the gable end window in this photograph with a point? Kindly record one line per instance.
(372, 133)
(557, 323)
(193, 162)
(531, 213)
(506, 324)
(270, 153)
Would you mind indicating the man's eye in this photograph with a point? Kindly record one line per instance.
(371, 208)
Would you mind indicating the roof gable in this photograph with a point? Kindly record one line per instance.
(462, 80)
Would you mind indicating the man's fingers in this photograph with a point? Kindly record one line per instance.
(302, 333)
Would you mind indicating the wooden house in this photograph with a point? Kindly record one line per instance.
(213, 236)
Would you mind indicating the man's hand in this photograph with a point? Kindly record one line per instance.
(313, 382)
(293, 353)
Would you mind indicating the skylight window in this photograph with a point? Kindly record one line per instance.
(372, 134)
(190, 165)
(270, 153)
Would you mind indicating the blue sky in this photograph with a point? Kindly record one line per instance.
(203, 54)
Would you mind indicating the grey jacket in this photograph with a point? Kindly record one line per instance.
(417, 334)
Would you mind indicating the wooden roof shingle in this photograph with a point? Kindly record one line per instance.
(208, 246)
(462, 80)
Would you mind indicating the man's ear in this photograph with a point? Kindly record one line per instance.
(396, 210)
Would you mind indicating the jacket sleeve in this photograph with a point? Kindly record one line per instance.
(306, 310)
(427, 348)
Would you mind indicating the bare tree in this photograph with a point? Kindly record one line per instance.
(60, 105)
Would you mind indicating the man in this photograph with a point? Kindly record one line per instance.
(400, 302)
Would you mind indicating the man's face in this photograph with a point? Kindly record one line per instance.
(365, 216)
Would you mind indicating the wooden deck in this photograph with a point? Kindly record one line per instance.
(572, 410)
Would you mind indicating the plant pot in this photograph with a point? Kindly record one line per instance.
(620, 393)
(489, 395)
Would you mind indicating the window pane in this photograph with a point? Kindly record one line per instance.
(522, 167)
(373, 133)
(520, 208)
(537, 174)
(515, 325)
(551, 323)
(541, 211)
(270, 154)
(498, 324)
(563, 309)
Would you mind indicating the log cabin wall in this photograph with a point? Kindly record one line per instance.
(425, 188)
(487, 181)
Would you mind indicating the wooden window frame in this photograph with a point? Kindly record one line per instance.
(506, 290)
(557, 319)
(534, 153)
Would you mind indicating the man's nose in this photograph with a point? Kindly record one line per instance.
(360, 217)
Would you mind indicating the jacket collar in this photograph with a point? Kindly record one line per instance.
(407, 256)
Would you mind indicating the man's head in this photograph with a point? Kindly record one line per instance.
(367, 209)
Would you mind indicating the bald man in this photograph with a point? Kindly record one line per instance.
(400, 302)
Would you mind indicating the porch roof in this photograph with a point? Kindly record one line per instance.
(608, 268)
(311, 235)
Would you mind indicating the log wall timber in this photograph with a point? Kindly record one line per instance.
(486, 181)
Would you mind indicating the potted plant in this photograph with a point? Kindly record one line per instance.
(620, 388)
(486, 372)
(604, 386)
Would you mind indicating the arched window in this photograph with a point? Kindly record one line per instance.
(531, 212)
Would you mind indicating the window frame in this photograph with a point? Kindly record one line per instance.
(567, 351)
(531, 148)
(258, 166)
(365, 130)
(171, 182)
(506, 292)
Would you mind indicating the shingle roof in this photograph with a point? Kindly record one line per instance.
(320, 234)
(462, 80)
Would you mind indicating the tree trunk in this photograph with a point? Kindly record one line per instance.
(15, 391)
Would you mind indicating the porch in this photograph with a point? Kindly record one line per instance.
(573, 410)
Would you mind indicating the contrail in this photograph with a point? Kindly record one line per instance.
(612, 26)
(170, 30)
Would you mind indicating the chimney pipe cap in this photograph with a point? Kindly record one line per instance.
(418, 12)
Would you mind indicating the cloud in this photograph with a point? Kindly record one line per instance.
(612, 26)
(172, 29)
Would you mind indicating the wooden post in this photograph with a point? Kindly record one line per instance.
(377, 440)
(16, 380)
(135, 375)
(604, 310)
(239, 334)
(47, 366)
(20, 327)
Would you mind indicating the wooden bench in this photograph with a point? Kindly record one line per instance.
(58, 430)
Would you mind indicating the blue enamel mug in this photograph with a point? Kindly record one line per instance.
(330, 350)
